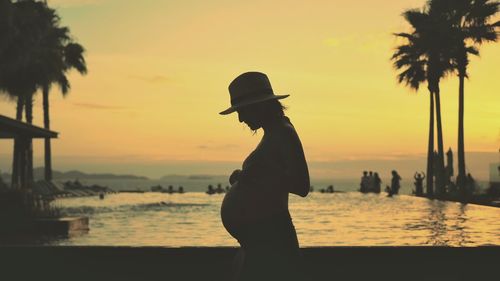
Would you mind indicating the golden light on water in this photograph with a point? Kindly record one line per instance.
(340, 219)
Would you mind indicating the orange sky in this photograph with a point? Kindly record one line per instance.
(159, 71)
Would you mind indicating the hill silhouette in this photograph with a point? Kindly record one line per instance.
(74, 174)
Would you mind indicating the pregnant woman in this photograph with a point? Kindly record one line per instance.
(255, 210)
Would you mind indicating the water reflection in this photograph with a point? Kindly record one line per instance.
(344, 219)
(445, 223)
(460, 227)
(436, 223)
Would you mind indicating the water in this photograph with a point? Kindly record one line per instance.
(340, 219)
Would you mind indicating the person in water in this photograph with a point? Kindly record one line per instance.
(377, 183)
(395, 183)
(255, 209)
(419, 183)
(364, 182)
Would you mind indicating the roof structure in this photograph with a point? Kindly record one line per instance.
(11, 128)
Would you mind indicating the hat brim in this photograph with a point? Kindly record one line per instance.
(250, 102)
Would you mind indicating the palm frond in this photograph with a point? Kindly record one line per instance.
(73, 55)
(472, 50)
(63, 84)
(416, 18)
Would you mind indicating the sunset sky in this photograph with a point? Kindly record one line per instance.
(159, 71)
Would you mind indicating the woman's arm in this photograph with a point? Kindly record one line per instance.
(296, 172)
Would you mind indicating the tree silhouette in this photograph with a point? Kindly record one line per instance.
(19, 68)
(424, 57)
(59, 55)
(35, 53)
(470, 26)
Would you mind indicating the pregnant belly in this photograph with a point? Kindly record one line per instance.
(246, 204)
(235, 208)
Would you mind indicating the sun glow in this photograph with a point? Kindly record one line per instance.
(159, 71)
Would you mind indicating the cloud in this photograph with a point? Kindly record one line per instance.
(332, 42)
(150, 79)
(97, 106)
(217, 147)
(367, 44)
(386, 157)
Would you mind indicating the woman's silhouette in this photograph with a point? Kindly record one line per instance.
(255, 210)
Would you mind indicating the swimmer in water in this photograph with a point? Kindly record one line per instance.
(255, 209)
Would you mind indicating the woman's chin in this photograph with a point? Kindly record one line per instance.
(253, 127)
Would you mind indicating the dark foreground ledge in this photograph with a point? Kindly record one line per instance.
(328, 263)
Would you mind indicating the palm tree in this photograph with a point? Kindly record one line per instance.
(409, 58)
(41, 55)
(16, 70)
(35, 15)
(423, 58)
(60, 54)
(470, 26)
(6, 27)
(438, 41)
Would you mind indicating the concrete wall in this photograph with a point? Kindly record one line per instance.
(330, 263)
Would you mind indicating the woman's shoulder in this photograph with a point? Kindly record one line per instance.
(285, 130)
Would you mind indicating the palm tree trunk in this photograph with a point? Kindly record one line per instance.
(46, 123)
(430, 149)
(461, 145)
(29, 145)
(15, 158)
(19, 108)
(22, 162)
(440, 168)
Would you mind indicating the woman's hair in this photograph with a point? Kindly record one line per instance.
(266, 111)
(269, 110)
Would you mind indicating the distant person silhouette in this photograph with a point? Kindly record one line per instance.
(419, 183)
(470, 183)
(329, 189)
(364, 182)
(219, 188)
(377, 182)
(210, 190)
(395, 183)
(370, 184)
(181, 189)
(255, 210)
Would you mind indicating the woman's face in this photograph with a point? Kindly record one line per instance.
(247, 115)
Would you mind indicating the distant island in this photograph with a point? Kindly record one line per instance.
(71, 175)
(74, 174)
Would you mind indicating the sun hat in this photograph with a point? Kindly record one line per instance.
(250, 88)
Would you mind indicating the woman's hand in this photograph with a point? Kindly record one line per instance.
(235, 176)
